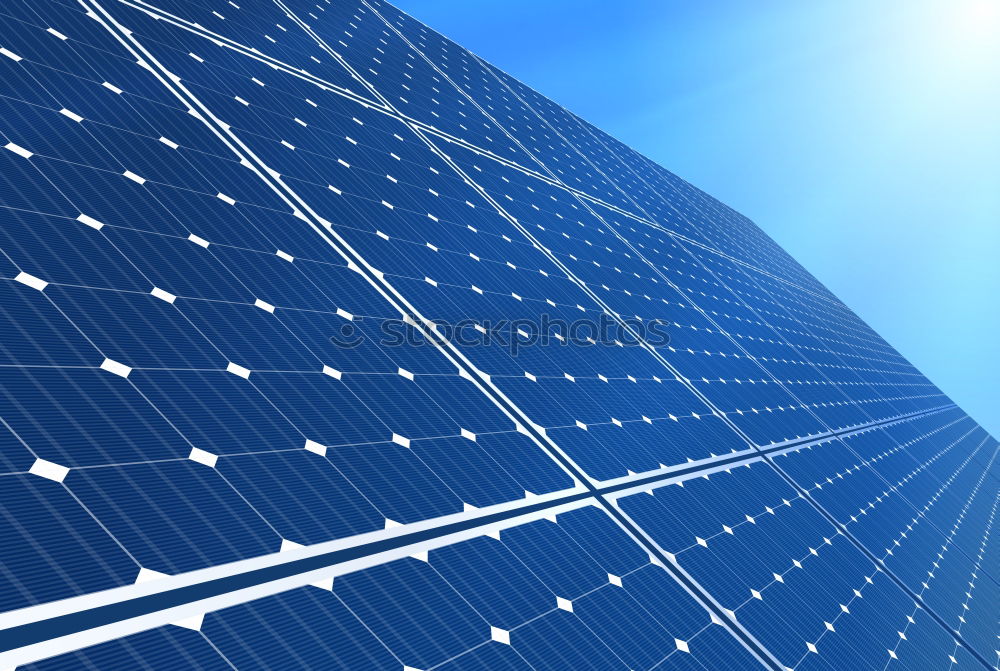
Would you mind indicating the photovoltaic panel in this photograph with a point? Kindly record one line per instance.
(487, 275)
(286, 382)
(706, 525)
(294, 435)
(577, 594)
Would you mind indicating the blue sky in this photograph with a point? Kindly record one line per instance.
(863, 136)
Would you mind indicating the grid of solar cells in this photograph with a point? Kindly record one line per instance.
(415, 214)
(681, 208)
(203, 202)
(794, 580)
(444, 43)
(567, 595)
(170, 363)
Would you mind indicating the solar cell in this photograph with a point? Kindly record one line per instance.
(327, 344)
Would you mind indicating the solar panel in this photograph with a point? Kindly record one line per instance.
(329, 345)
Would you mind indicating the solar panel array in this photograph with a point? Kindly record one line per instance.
(283, 388)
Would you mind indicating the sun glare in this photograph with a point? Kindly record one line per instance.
(978, 19)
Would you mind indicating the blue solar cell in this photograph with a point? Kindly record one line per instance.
(306, 499)
(412, 608)
(396, 481)
(41, 335)
(59, 250)
(52, 547)
(497, 584)
(569, 574)
(307, 628)
(562, 641)
(173, 516)
(153, 336)
(85, 417)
